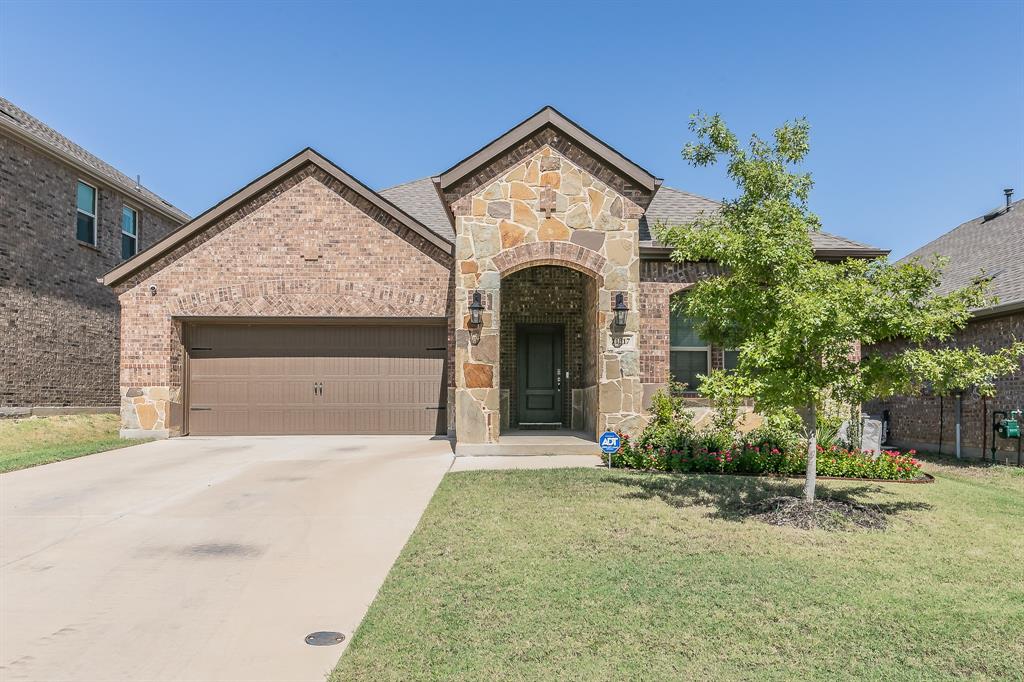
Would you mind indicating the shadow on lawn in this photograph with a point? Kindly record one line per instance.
(733, 498)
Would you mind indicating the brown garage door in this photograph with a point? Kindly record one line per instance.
(272, 379)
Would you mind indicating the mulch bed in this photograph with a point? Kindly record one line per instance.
(923, 478)
(825, 514)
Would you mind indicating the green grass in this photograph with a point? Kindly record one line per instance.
(40, 440)
(592, 574)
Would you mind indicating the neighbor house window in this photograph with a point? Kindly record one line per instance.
(731, 359)
(129, 232)
(86, 222)
(689, 356)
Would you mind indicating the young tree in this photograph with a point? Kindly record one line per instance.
(797, 322)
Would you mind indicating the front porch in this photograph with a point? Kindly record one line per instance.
(534, 442)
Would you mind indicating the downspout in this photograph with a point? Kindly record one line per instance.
(959, 407)
(984, 425)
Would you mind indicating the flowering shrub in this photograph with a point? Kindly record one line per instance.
(762, 458)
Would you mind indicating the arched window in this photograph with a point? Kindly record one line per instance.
(689, 355)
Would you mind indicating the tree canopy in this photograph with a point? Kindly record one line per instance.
(798, 322)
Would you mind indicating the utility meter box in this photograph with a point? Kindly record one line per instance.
(1008, 428)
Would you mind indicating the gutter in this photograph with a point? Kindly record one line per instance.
(665, 253)
(90, 172)
(999, 310)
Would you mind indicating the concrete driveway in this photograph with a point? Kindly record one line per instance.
(203, 558)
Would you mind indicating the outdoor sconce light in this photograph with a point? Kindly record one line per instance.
(475, 308)
(620, 309)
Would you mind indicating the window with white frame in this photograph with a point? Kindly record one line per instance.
(689, 355)
(85, 226)
(129, 232)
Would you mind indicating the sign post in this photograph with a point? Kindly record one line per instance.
(610, 443)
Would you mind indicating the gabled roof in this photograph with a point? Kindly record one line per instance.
(27, 128)
(548, 116)
(983, 246)
(253, 189)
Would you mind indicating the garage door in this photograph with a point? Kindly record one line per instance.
(270, 379)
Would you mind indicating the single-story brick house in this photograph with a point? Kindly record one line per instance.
(520, 288)
(982, 247)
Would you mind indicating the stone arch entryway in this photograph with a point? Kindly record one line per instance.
(545, 210)
(548, 339)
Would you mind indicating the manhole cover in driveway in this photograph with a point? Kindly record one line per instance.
(324, 638)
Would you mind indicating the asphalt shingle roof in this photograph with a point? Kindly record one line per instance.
(671, 206)
(51, 138)
(419, 199)
(675, 207)
(982, 246)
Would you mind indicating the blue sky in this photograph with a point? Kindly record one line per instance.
(917, 109)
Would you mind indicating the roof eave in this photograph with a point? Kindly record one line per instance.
(665, 252)
(171, 212)
(271, 177)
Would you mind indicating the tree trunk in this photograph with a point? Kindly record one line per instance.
(811, 425)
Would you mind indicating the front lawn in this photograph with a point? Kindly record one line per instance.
(41, 440)
(594, 574)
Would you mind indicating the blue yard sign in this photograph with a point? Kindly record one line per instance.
(609, 442)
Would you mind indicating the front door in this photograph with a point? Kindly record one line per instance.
(539, 374)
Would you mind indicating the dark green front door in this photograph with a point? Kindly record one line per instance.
(539, 370)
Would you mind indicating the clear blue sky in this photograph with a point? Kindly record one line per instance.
(917, 109)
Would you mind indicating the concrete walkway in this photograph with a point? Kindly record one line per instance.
(203, 559)
(526, 462)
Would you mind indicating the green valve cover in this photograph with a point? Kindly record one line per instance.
(1009, 428)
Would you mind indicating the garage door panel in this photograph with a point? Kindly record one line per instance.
(215, 391)
(260, 379)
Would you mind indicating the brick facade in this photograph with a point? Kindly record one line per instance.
(659, 281)
(915, 420)
(307, 247)
(59, 331)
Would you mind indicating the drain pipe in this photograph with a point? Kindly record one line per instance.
(940, 424)
(959, 408)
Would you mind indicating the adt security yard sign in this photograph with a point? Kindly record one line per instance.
(609, 442)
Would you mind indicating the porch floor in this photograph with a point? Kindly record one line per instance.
(533, 442)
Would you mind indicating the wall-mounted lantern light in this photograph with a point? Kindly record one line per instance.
(475, 309)
(620, 309)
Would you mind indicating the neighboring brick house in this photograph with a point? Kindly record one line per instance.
(66, 218)
(478, 301)
(984, 247)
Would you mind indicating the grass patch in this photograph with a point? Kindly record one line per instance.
(40, 440)
(597, 574)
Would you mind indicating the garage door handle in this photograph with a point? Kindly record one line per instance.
(200, 409)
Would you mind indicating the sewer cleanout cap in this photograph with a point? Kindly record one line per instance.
(324, 638)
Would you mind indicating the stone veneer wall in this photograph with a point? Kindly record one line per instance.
(543, 295)
(914, 420)
(307, 247)
(545, 202)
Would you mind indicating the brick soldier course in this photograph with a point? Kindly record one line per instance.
(547, 224)
(59, 331)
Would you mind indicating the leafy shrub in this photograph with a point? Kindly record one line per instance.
(672, 443)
